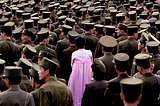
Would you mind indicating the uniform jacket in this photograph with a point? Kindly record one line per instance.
(65, 63)
(55, 93)
(94, 93)
(3, 85)
(98, 51)
(91, 42)
(25, 84)
(110, 70)
(150, 91)
(36, 95)
(61, 45)
(130, 47)
(122, 37)
(44, 48)
(6, 49)
(14, 96)
(112, 93)
(156, 64)
(18, 43)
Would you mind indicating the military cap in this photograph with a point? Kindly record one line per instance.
(111, 8)
(66, 28)
(43, 10)
(63, 7)
(45, 54)
(78, 8)
(7, 1)
(56, 4)
(139, 10)
(156, 6)
(42, 24)
(99, 27)
(145, 22)
(78, 13)
(17, 33)
(98, 11)
(51, 7)
(77, 2)
(121, 58)
(91, 11)
(149, 5)
(84, 11)
(7, 15)
(109, 30)
(84, 22)
(158, 25)
(19, 13)
(28, 23)
(14, 10)
(113, 12)
(59, 13)
(126, 5)
(143, 15)
(72, 35)
(29, 50)
(73, 7)
(142, 60)
(86, 6)
(120, 17)
(108, 41)
(61, 19)
(132, 30)
(35, 19)
(12, 71)
(45, 14)
(70, 22)
(49, 64)
(152, 21)
(9, 26)
(26, 16)
(122, 26)
(28, 10)
(152, 47)
(2, 64)
(23, 63)
(155, 14)
(95, 18)
(132, 2)
(35, 15)
(107, 20)
(135, 85)
(152, 29)
(3, 21)
(68, 4)
(138, 23)
(32, 3)
(144, 26)
(46, 2)
(1, 4)
(98, 64)
(34, 31)
(20, 6)
(43, 34)
(65, 12)
(1, 13)
(132, 15)
(132, 8)
(88, 26)
(36, 9)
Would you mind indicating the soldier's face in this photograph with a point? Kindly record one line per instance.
(25, 38)
(139, 45)
(42, 74)
(119, 32)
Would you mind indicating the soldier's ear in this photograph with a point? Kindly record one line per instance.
(121, 96)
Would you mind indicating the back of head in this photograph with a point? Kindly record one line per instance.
(80, 42)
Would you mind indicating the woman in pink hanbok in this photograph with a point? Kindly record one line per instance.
(81, 71)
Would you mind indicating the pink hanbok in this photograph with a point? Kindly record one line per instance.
(81, 74)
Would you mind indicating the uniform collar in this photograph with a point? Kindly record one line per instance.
(7, 40)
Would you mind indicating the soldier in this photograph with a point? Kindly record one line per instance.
(94, 90)
(130, 45)
(17, 33)
(133, 18)
(91, 39)
(65, 62)
(52, 88)
(108, 43)
(121, 32)
(25, 84)
(131, 98)
(62, 44)
(36, 83)
(14, 93)
(3, 85)
(150, 81)
(99, 31)
(112, 93)
(10, 51)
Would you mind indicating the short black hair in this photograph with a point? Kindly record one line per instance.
(130, 99)
(14, 80)
(98, 74)
(122, 66)
(108, 49)
(1, 68)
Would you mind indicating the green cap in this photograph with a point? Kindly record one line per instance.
(70, 22)
(113, 12)
(107, 20)
(23, 63)
(7, 15)
(88, 26)
(66, 29)
(138, 23)
(42, 24)
(12, 71)
(72, 35)
(45, 54)
(121, 58)
(132, 15)
(99, 27)
(45, 14)
(29, 50)
(49, 64)
(142, 60)
(135, 85)
(108, 41)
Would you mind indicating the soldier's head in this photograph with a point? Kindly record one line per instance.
(89, 27)
(71, 36)
(121, 62)
(47, 69)
(6, 30)
(26, 36)
(98, 69)
(135, 85)
(34, 78)
(43, 36)
(98, 29)
(121, 29)
(12, 75)
(2, 65)
(152, 47)
(65, 30)
(17, 33)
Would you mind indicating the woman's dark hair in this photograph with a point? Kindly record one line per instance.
(80, 42)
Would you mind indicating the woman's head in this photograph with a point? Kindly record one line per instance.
(80, 42)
